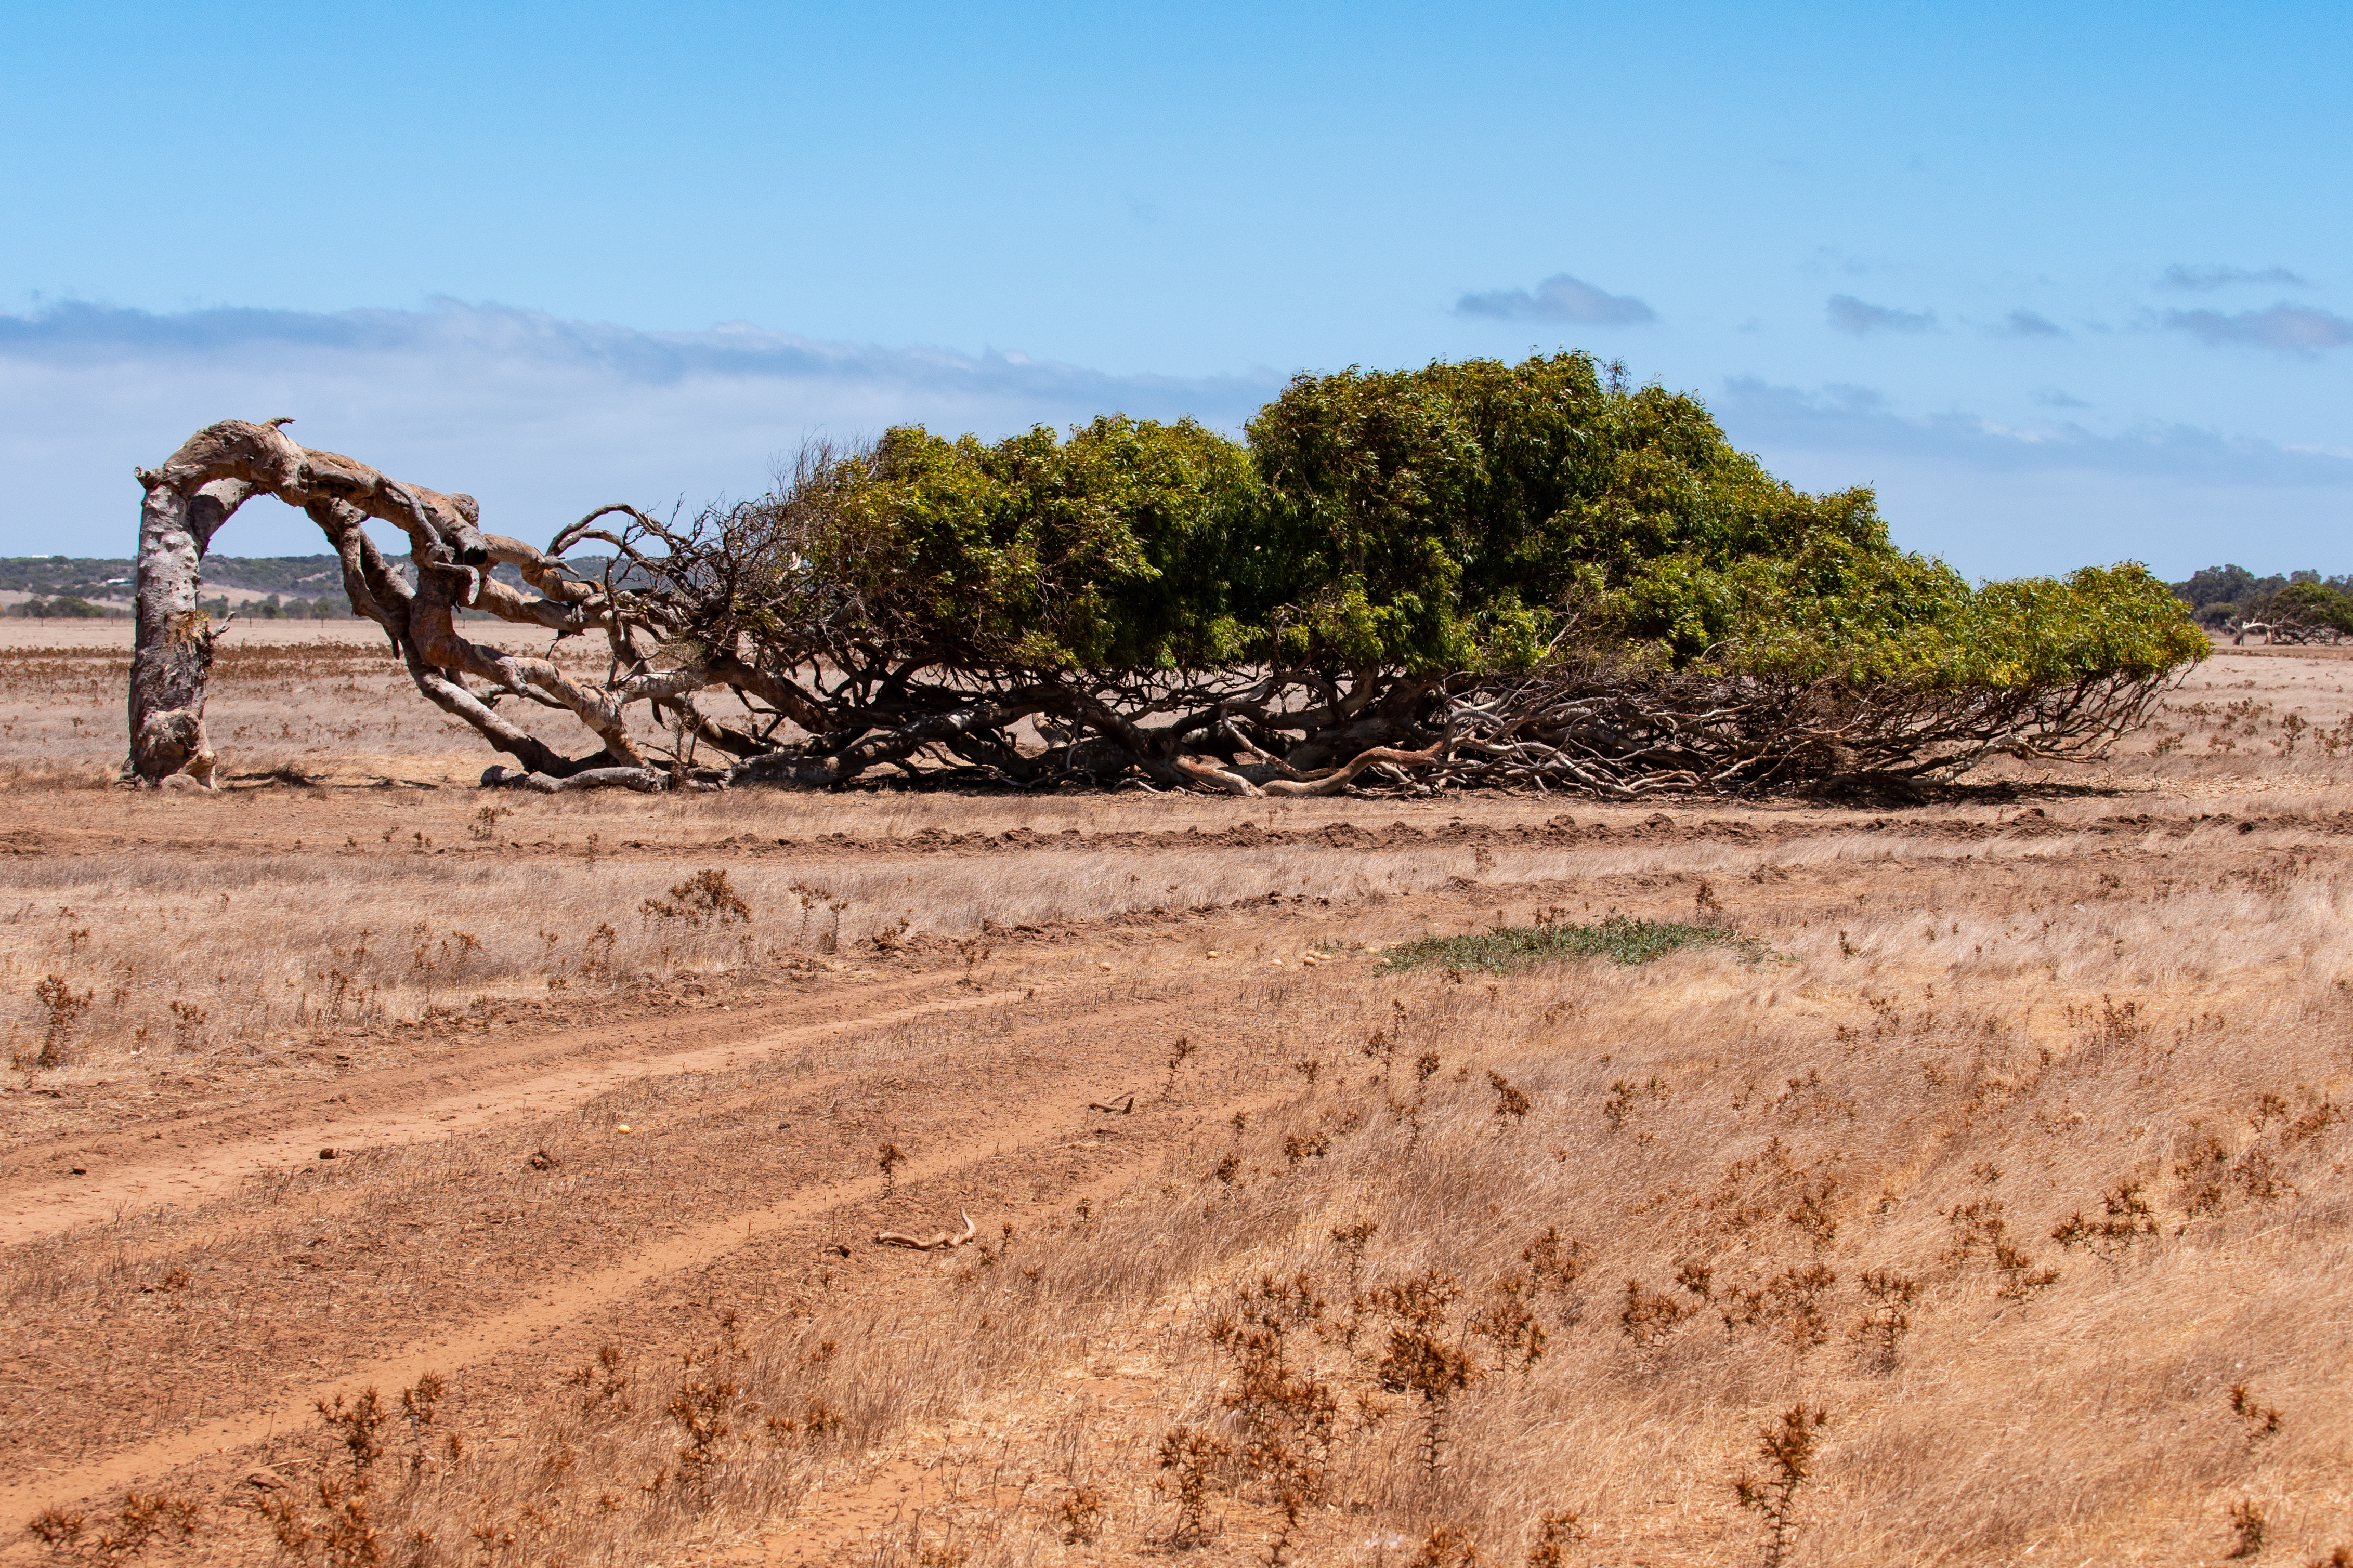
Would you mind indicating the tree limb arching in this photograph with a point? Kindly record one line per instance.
(223, 465)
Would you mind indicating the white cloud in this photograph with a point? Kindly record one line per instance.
(1559, 298)
(540, 418)
(2290, 329)
(1849, 314)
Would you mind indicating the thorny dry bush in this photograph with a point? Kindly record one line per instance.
(1800, 1260)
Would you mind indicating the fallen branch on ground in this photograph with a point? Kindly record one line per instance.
(942, 1242)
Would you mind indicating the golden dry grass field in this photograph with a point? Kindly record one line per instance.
(392, 1172)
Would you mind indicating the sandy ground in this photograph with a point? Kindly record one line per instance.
(375, 1086)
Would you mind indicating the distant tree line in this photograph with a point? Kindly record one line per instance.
(102, 577)
(2222, 597)
(273, 608)
(73, 608)
(93, 588)
(99, 587)
(66, 607)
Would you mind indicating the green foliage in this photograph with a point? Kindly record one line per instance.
(1620, 937)
(2231, 585)
(1100, 552)
(2235, 586)
(1460, 519)
(1454, 514)
(1913, 622)
(2307, 604)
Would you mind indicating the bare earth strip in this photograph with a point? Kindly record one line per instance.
(580, 1298)
(489, 1097)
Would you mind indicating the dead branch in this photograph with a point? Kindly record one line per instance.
(944, 1241)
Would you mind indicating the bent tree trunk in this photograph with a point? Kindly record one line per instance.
(221, 467)
(738, 603)
(171, 651)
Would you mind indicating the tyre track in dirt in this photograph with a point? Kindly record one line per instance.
(535, 1042)
(216, 1220)
(548, 1069)
(47, 1209)
(1031, 1114)
(471, 1343)
(1023, 1114)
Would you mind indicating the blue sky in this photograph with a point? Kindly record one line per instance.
(2066, 283)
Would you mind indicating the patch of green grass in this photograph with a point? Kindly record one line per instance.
(1620, 937)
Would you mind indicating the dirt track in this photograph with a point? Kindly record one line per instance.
(985, 1081)
(985, 1087)
(181, 1305)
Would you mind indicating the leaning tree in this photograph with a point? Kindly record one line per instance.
(1469, 574)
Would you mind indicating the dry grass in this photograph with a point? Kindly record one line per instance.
(221, 957)
(1630, 1295)
(210, 955)
(1988, 1199)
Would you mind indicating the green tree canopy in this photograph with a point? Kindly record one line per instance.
(1459, 518)
(2307, 603)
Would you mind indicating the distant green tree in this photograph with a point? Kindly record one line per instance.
(2217, 615)
(2217, 584)
(2308, 603)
